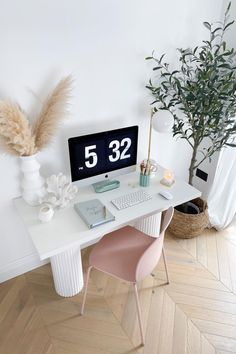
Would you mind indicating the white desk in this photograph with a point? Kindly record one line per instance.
(66, 234)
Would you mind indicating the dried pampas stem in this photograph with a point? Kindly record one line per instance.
(52, 113)
(15, 130)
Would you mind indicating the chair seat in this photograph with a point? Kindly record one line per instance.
(118, 252)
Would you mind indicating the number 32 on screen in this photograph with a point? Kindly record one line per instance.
(114, 146)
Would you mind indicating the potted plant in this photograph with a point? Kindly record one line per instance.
(201, 95)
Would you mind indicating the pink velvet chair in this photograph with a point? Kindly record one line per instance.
(130, 255)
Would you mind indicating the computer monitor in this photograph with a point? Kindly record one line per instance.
(96, 157)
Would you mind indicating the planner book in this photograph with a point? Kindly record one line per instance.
(93, 212)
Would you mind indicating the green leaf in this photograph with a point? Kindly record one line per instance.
(227, 53)
(228, 8)
(161, 58)
(217, 29)
(231, 145)
(208, 43)
(148, 58)
(224, 65)
(228, 25)
(157, 68)
(207, 25)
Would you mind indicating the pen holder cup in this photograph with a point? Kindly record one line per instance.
(144, 180)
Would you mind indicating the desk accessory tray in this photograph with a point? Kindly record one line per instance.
(93, 213)
(105, 186)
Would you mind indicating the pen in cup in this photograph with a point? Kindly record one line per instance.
(104, 212)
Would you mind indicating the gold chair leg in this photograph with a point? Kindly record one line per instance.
(165, 263)
(139, 312)
(85, 290)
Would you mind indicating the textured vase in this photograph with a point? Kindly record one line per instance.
(32, 183)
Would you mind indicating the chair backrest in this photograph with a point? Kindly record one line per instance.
(151, 255)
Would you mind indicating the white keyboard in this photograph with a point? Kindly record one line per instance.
(128, 200)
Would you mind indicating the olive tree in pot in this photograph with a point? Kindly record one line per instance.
(201, 95)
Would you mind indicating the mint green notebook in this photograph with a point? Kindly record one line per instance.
(93, 213)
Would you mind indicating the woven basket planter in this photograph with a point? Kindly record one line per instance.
(190, 225)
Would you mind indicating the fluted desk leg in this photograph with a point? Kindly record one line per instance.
(150, 225)
(67, 272)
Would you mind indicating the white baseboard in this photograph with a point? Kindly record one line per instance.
(21, 266)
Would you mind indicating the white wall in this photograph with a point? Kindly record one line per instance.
(103, 44)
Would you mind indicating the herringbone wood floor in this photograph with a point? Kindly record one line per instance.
(195, 313)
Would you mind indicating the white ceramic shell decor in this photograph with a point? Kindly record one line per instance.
(60, 190)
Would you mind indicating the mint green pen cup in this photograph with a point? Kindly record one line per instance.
(144, 180)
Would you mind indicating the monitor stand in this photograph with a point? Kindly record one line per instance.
(107, 185)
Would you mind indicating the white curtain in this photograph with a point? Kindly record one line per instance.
(222, 197)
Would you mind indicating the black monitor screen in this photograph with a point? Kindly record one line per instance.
(95, 154)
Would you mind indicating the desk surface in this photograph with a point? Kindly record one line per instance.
(67, 229)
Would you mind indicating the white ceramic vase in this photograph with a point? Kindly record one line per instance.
(32, 184)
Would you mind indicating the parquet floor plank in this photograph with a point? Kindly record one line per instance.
(222, 343)
(193, 339)
(154, 323)
(167, 326)
(207, 348)
(180, 332)
(223, 260)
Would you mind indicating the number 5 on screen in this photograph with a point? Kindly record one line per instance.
(88, 154)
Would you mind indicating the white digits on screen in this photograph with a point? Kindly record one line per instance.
(115, 146)
(115, 150)
(88, 154)
(128, 144)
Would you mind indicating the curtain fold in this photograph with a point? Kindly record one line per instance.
(222, 196)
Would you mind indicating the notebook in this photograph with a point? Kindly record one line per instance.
(93, 213)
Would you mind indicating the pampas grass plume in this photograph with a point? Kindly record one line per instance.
(15, 130)
(52, 113)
